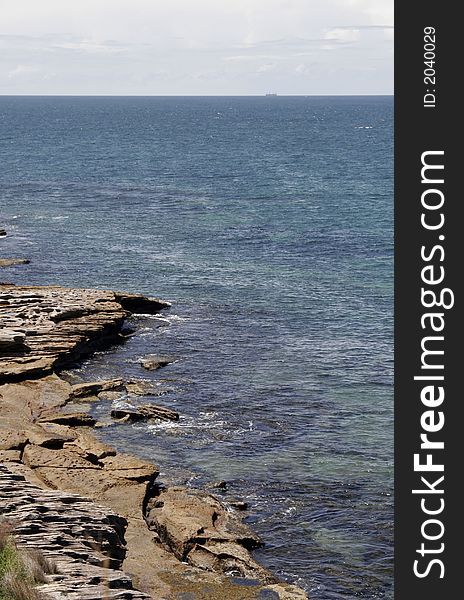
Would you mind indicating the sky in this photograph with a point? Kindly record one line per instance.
(196, 47)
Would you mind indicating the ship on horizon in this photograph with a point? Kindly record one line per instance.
(271, 94)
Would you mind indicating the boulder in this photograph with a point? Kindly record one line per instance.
(93, 449)
(156, 361)
(142, 387)
(12, 262)
(198, 529)
(46, 458)
(11, 439)
(111, 395)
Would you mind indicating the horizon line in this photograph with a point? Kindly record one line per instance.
(78, 95)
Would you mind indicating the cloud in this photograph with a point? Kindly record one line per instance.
(91, 47)
(195, 47)
(342, 34)
(266, 68)
(22, 70)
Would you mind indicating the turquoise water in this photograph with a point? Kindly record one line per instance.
(268, 223)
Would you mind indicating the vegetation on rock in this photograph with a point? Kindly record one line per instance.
(19, 571)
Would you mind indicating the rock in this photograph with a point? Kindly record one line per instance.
(11, 439)
(10, 456)
(2, 232)
(12, 262)
(41, 437)
(136, 303)
(201, 531)
(60, 325)
(13, 342)
(38, 456)
(147, 411)
(84, 541)
(110, 396)
(284, 591)
(69, 419)
(129, 467)
(219, 485)
(93, 449)
(154, 361)
(238, 504)
(142, 387)
(95, 388)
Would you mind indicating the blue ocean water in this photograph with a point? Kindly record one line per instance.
(268, 223)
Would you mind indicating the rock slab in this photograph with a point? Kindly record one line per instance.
(57, 326)
(84, 540)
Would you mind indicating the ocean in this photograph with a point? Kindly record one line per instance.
(268, 223)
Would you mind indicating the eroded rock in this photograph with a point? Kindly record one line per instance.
(75, 419)
(139, 304)
(156, 361)
(199, 529)
(142, 387)
(94, 388)
(12, 262)
(147, 411)
(83, 540)
(60, 325)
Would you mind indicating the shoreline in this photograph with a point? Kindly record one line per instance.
(177, 540)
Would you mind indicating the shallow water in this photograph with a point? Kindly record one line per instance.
(268, 223)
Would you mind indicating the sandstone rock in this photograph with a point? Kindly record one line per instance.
(110, 396)
(200, 530)
(79, 419)
(48, 439)
(156, 361)
(147, 411)
(13, 342)
(230, 558)
(83, 540)
(10, 439)
(286, 591)
(12, 262)
(7, 456)
(93, 449)
(94, 388)
(129, 467)
(136, 303)
(142, 387)
(219, 485)
(61, 325)
(67, 458)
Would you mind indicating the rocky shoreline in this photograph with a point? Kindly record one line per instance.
(101, 515)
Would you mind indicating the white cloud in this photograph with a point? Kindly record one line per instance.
(22, 70)
(90, 47)
(116, 46)
(342, 35)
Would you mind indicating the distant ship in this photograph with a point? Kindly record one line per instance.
(271, 94)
